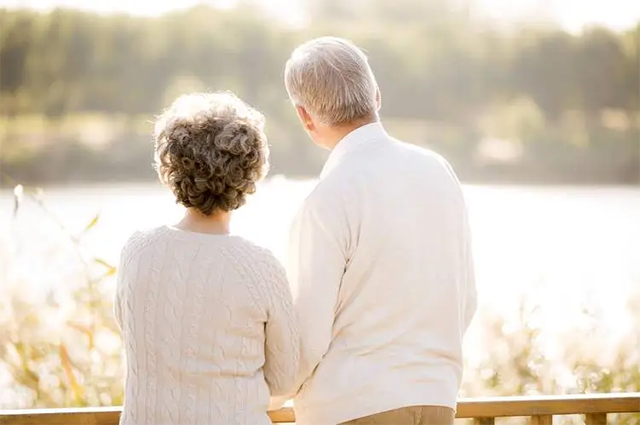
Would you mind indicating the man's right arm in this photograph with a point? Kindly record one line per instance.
(471, 294)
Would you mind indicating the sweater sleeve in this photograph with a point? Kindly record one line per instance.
(471, 301)
(282, 343)
(316, 264)
(117, 307)
(471, 296)
(129, 249)
(120, 276)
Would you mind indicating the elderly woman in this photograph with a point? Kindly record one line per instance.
(206, 317)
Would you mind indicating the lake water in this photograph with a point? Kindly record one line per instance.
(562, 248)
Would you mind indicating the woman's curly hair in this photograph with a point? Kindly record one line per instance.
(211, 151)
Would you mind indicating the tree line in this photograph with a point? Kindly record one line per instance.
(539, 85)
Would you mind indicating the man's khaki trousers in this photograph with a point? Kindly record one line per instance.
(414, 415)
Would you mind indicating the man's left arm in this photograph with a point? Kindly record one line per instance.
(316, 264)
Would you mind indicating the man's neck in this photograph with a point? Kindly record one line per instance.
(338, 132)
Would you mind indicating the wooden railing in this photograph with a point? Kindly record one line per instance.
(540, 409)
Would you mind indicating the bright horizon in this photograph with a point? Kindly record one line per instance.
(572, 15)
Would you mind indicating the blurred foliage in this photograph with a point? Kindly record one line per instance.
(77, 89)
(520, 362)
(61, 347)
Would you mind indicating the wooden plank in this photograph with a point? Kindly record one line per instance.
(589, 404)
(549, 405)
(484, 421)
(542, 420)
(596, 419)
(284, 415)
(93, 416)
(86, 416)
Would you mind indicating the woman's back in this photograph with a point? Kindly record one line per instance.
(195, 311)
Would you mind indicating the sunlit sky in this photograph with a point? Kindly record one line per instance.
(571, 14)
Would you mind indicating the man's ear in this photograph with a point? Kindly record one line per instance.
(305, 118)
(378, 99)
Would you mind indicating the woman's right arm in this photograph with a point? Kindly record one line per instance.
(282, 335)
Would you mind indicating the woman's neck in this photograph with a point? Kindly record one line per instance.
(217, 223)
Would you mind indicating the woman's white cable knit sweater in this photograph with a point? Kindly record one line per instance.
(208, 329)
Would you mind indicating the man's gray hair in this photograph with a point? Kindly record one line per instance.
(331, 78)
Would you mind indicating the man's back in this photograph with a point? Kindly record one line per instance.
(391, 233)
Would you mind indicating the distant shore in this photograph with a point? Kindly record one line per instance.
(7, 187)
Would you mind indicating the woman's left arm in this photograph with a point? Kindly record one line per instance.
(128, 249)
(120, 276)
(117, 308)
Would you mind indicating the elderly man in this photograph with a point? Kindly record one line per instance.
(380, 257)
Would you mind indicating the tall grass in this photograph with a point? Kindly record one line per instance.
(60, 347)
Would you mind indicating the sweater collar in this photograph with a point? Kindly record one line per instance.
(352, 141)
